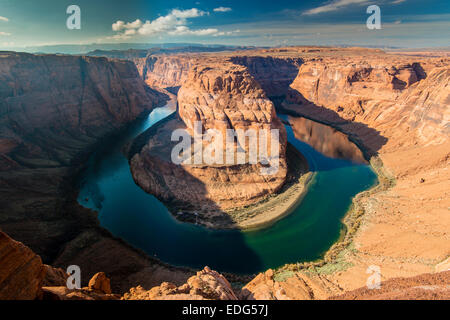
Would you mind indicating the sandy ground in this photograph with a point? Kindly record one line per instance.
(406, 230)
(279, 206)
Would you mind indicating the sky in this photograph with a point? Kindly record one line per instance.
(404, 23)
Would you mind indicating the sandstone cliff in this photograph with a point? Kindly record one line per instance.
(404, 100)
(394, 107)
(54, 110)
(24, 277)
(165, 71)
(304, 286)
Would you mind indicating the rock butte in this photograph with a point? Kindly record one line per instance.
(220, 96)
(394, 105)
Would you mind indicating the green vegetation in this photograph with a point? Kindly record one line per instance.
(282, 276)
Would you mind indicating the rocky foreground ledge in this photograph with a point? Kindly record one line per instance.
(24, 277)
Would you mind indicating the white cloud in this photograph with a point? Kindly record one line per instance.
(4, 33)
(121, 36)
(4, 19)
(130, 32)
(183, 30)
(335, 5)
(191, 13)
(227, 33)
(120, 25)
(174, 24)
(222, 9)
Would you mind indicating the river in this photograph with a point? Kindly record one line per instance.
(304, 235)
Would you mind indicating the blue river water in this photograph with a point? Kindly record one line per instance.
(144, 222)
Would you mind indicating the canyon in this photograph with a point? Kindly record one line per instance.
(393, 106)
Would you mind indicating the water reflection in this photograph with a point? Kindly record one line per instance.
(326, 140)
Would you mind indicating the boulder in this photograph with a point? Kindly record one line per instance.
(99, 282)
(207, 284)
(21, 271)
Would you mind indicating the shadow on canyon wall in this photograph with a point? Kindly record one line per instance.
(219, 257)
(198, 246)
(195, 243)
(327, 141)
(274, 75)
(419, 73)
(368, 139)
(173, 90)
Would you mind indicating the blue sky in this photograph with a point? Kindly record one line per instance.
(409, 23)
